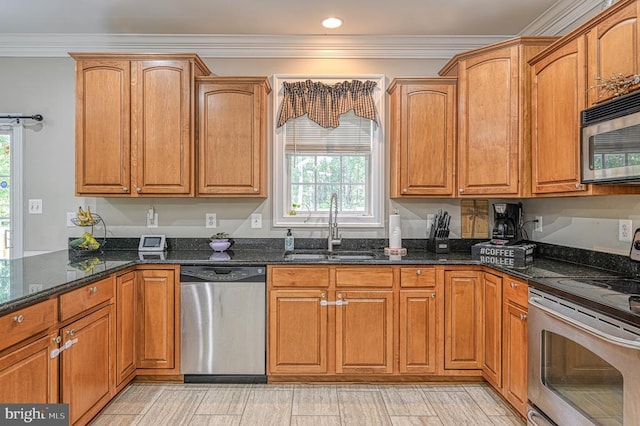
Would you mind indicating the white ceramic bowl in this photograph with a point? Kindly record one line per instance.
(219, 245)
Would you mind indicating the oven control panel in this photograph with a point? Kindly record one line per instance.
(635, 246)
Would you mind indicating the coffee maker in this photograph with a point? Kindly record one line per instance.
(507, 220)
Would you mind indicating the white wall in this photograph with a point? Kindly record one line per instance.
(46, 86)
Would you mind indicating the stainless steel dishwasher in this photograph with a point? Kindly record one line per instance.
(223, 324)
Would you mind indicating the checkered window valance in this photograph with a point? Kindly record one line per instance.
(324, 104)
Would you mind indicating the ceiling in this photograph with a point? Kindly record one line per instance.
(278, 17)
(46, 27)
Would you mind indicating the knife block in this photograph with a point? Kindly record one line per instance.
(438, 245)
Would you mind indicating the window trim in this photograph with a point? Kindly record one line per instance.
(376, 172)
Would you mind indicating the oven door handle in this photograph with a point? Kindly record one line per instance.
(619, 341)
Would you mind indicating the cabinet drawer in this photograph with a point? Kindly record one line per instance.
(26, 322)
(516, 291)
(418, 277)
(299, 276)
(364, 277)
(87, 297)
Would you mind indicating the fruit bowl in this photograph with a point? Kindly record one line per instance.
(220, 245)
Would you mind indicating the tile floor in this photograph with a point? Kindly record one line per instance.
(307, 404)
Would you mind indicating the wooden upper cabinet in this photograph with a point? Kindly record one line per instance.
(558, 96)
(103, 127)
(493, 117)
(162, 135)
(423, 136)
(135, 124)
(613, 40)
(232, 136)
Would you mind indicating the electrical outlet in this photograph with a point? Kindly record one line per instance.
(35, 206)
(538, 226)
(152, 221)
(70, 217)
(210, 220)
(256, 220)
(625, 231)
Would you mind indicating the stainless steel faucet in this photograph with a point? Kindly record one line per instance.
(334, 235)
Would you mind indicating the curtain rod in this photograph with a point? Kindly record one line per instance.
(37, 117)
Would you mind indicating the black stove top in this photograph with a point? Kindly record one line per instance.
(617, 296)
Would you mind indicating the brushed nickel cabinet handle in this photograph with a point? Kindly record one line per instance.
(57, 339)
(138, 189)
(433, 295)
(71, 332)
(523, 317)
(513, 285)
(405, 190)
(125, 189)
(93, 290)
(19, 319)
(418, 271)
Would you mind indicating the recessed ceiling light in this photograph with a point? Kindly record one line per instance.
(332, 22)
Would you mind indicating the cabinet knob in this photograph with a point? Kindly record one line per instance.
(523, 317)
(19, 319)
(138, 189)
(57, 339)
(418, 271)
(433, 295)
(578, 185)
(513, 285)
(125, 189)
(93, 290)
(405, 190)
(339, 295)
(71, 332)
(323, 295)
(255, 190)
(461, 190)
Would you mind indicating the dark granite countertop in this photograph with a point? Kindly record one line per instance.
(31, 279)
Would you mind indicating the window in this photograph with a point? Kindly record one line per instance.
(312, 162)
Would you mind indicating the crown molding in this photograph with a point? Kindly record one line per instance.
(245, 46)
(558, 19)
(562, 17)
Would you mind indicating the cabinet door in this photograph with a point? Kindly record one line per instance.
(423, 137)
(125, 326)
(86, 366)
(492, 329)
(418, 332)
(156, 321)
(103, 136)
(364, 332)
(558, 96)
(232, 139)
(161, 133)
(463, 320)
(297, 332)
(488, 139)
(515, 356)
(29, 375)
(613, 49)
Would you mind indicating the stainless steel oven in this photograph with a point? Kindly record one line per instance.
(584, 366)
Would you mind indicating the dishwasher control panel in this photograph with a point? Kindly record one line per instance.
(221, 273)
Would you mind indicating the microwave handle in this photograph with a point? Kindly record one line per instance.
(618, 341)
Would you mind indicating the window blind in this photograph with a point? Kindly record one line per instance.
(353, 135)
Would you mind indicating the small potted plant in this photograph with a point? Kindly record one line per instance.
(220, 241)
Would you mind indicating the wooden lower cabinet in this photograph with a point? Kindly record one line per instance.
(463, 320)
(492, 329)
(418, 332)
(297, 339)
(515, 347)
(125, 327)
(364, 332)
(28, 374)
(158, 327)
(87, 366)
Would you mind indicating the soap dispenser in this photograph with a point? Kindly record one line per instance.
(288, 241)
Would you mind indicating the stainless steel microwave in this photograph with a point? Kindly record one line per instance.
(611, 141)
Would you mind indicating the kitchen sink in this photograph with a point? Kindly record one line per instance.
(310, 255)
(305, 256)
